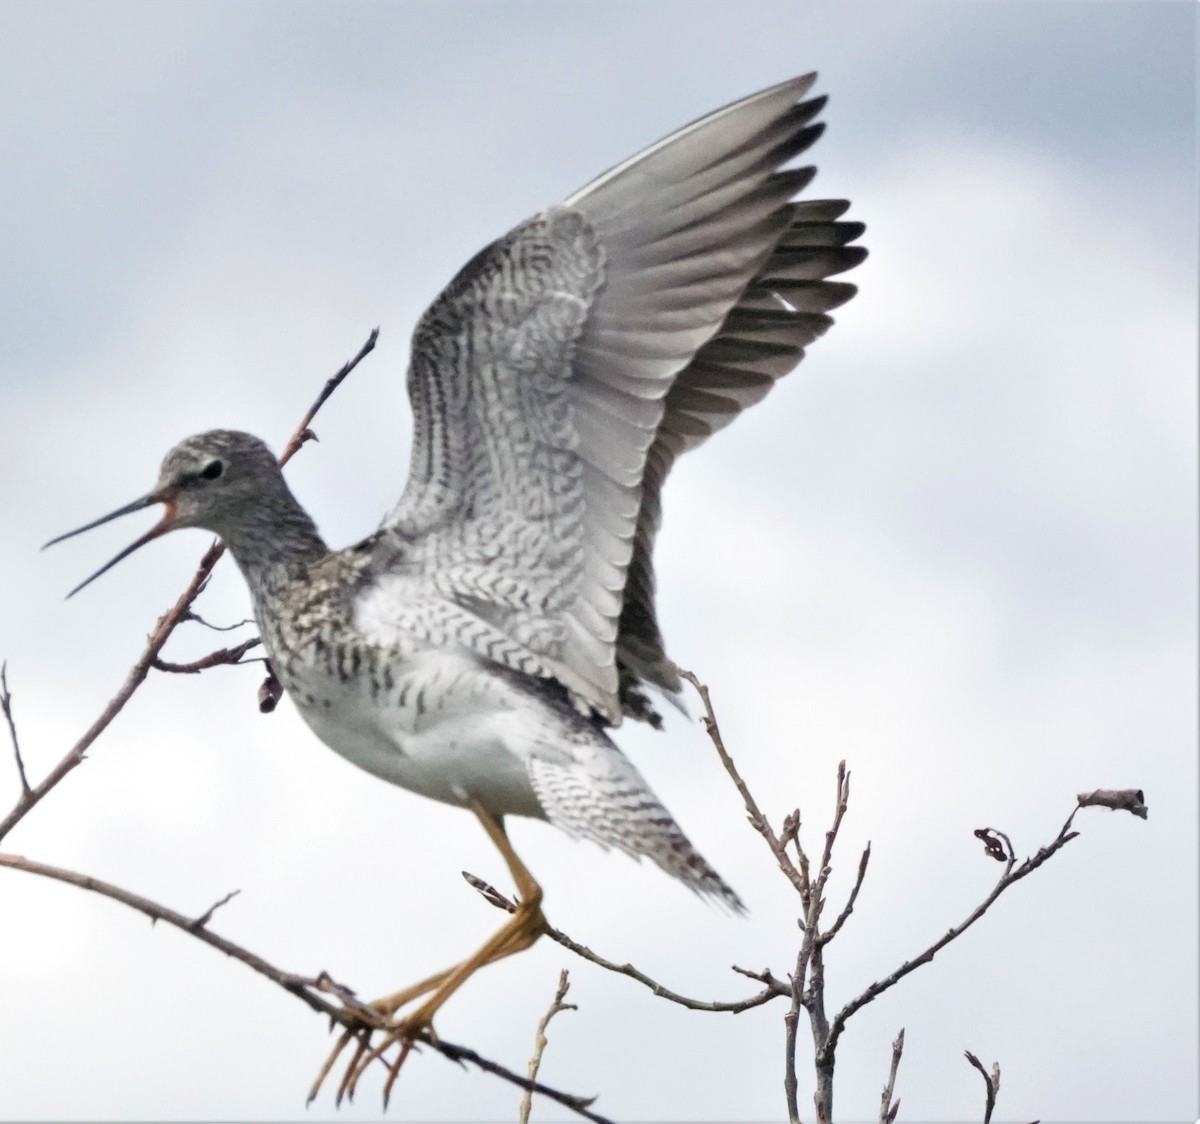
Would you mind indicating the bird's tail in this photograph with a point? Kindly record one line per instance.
(594, 791)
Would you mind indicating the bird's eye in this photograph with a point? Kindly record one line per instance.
(212, 470)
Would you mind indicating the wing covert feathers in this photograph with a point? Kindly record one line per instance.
(558, 376)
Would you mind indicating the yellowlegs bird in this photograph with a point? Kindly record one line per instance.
(477, 647)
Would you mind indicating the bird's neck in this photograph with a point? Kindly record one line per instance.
(274, 545)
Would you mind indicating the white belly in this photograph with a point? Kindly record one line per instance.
(446, 728)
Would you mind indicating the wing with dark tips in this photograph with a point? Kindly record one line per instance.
(762, 338)
(560, 373)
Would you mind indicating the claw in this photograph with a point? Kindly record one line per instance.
(350, 1077)
(329, 1064)
(405, 1050)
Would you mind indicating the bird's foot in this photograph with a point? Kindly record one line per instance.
(378, 1019)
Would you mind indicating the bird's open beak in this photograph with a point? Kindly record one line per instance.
(160, 528)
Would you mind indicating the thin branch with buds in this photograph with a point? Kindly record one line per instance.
(757, 820)
(807, 982)
(991, 1082)
(213, 659)
(774, 988)
(888, 1108)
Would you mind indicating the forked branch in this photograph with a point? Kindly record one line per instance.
(540, 1041)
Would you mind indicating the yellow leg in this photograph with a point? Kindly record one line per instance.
(515, 935)
(520, 931)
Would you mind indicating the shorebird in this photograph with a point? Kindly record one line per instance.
(478, 647)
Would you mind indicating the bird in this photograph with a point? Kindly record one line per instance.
(480, 647)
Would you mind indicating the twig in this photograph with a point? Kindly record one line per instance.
(207, 915)
(6, 706)
(848, 909)
(167, 623)
(887, 1107)
(991, 1081)
(757, 820)
(763, 977)
(350, 1013)
(540, 1041)
(303, 434)
(213, 659)
(791, 1024)
(773, 989)
(811, 963)
(191, 615)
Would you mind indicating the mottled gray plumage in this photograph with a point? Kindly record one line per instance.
(475, 648)
(560, 374)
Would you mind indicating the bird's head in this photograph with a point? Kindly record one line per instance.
(215, 481)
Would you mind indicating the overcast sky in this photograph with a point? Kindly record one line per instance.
(956, 548)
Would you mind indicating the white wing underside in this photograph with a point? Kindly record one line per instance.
(557, 377)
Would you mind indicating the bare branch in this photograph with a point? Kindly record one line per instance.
(540, 1042)
(887, 1107)
(1120, 799)
(1007, 879)
(757, 820)
(763, 977)
(213, 659)
(773, 989)
(991, 1081)
(349, 1011)
(167, 623)
(6, 706)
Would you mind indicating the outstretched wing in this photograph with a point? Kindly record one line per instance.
(558, 375)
